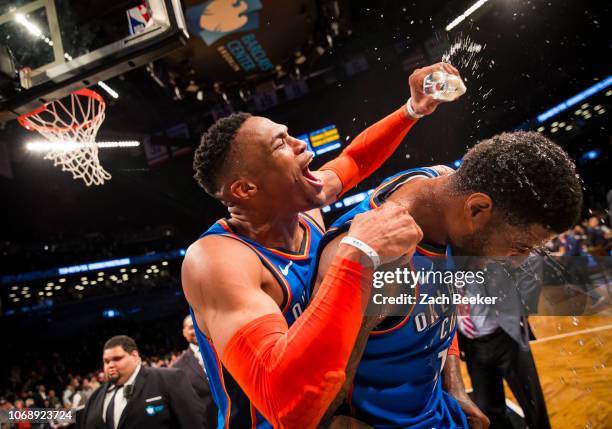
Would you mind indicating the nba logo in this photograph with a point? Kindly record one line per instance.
(138, 17)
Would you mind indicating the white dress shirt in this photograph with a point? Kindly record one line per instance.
(196, 351)
(120, 399)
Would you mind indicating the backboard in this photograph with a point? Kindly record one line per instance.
(49, 48)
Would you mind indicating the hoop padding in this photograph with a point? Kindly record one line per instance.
(75, 120)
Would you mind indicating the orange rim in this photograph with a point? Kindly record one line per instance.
(25, 122)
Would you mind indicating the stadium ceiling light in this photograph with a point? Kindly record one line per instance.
(594, 89)
(32, 28)
(45, 146)
(110, 91)
(465, 14)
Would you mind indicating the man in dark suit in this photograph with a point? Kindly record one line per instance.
(136, 397)
(190, 361)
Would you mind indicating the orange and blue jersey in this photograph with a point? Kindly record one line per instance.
(294, 272)
(398, 382)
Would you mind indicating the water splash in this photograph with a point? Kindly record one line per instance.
(463, 54)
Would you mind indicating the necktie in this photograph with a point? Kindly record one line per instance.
(110, 410)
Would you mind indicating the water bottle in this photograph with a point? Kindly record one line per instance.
(443, 86)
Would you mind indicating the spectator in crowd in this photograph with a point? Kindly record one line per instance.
(52, 400)
(69, 392)
(596, 237)
(96, 381)
(192, 364)
(41, 396)
(82, 394)
(136, 396)
(5, 407)
(20, 406)
(574, 257)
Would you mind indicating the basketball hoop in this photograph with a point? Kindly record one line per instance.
(76, 120)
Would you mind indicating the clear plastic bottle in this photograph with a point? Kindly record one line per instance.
(443, 86)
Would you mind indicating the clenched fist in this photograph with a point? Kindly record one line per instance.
(389, 230)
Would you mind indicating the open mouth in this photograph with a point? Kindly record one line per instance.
(310, 178)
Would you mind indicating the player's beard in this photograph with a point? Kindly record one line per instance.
(113, 379)
(472, 249)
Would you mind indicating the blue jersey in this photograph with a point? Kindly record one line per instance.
(398, 382)
(294, 273)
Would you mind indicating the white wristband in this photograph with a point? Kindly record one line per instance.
(410, 110)
(371, 253)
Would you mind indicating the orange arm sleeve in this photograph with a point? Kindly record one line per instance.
(292, 374)
(453, 350)
(370, 149)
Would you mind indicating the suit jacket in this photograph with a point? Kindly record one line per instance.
(162, 398)
(188, 363)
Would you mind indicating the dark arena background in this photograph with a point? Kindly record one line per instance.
(80, 263)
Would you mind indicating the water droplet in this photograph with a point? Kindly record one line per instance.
(575, 321)
(580, 342)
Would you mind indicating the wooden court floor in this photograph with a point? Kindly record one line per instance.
(574, 358)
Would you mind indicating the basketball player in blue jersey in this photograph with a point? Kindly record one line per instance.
(511, 194)
(247, 278)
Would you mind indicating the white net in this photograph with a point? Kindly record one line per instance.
(71, 127)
